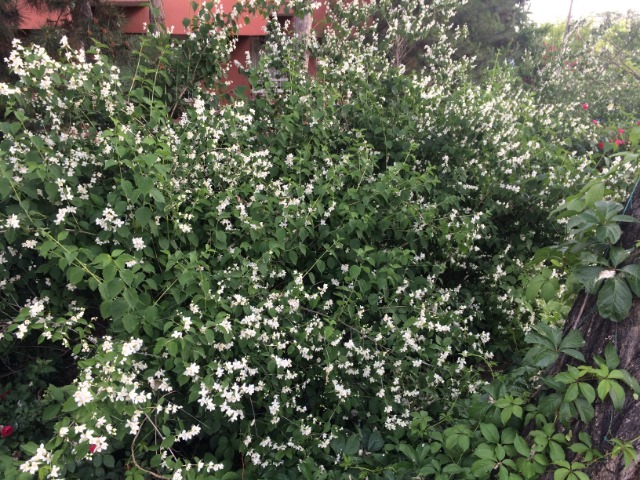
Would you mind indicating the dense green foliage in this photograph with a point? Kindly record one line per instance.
(330, 279)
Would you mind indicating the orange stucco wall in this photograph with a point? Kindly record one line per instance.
(175, 12)
(137, 15)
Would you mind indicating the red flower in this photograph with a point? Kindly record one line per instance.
(638, 122)
(585, 106)
(92, 448)
(594, 121)
(6, 430)
(621, 130)
(619, 142)
(601, 145)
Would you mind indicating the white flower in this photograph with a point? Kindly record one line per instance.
(13, 222)
(192, 370)
(30, 244)
(131, 347)
(36, 309)
(138, 243)
(606, 274)
(82, 396)
(133, 426)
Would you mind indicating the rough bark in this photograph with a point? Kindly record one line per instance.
(598, 332)
(302, 33)
(156, 14)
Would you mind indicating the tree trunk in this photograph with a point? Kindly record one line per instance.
(598, 332)
(302, 33)
(156, 14)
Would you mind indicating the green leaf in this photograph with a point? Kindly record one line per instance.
(51, 412)
(616, 393)
(626, 378)
(548, 290)
(614, 299)
(505, 415)
(585, 409)
(485, 451)
(588, 392)
(490, 432)
(108, 461)
(143, 216)
(603, 389)
(70, 405)
(617, 255)
(375, 442)
(556, 453)
(573, 340)
(130, 322)
(611, 358)
(482, 467)
(354, 272)
(352, 445)
(561, 474)
(572, 393)
(632, 275)
(75, 275)
(521, 446)
(594, 194)
(534, 287)
(409, 452)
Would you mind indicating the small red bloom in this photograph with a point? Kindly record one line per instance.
(601, 145)
(92, 448)
(621, 130)
(619, 142)
(638, 122)
(6, 430)
(585, 106)
(594, 121)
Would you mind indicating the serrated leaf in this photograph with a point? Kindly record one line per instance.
(572, 393)
(614, 299)
(626, 378)
(51, 412)
(482, 467)
(505, 415)
(521, 446)
(375, 442)
(585, 409)
(352, 445)
(490, 432)
(556, 453)
(575, 354)
(69, 405)
(588, 392)
(485, 451)
(594, 194)
(603, 389)
(561, 474)
(409, 452)
(531, 292)
(574, 339)
(617, 255)
(616, 393)
(632, 275)
(611, 358)
(548, 290)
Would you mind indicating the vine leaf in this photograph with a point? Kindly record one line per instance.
(614, 299)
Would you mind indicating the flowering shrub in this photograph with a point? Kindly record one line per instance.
(307, 281)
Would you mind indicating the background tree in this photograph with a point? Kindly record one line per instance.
(9, 20)
(496, 28)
